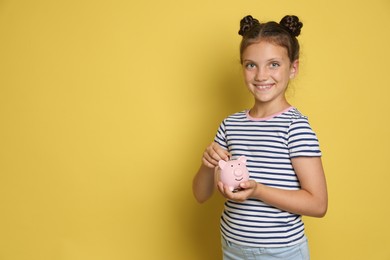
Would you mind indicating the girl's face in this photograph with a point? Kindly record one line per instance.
(267, 71)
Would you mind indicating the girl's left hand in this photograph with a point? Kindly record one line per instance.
(248, 188)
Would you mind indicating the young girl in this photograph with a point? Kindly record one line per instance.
(263, 219)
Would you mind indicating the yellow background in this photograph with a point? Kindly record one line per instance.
(107, 106)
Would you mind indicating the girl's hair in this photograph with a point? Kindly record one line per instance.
(283, 34)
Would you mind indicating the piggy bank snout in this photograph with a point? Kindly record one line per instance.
(238, 172)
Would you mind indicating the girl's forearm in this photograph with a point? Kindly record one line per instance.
(299, 202)
(203, 184)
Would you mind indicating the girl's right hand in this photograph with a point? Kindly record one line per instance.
(213, 153)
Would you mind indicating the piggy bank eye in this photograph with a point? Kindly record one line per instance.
(231, 166)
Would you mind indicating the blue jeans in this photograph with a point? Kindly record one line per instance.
(233, 251)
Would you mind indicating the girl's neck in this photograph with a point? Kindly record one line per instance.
(263, 110)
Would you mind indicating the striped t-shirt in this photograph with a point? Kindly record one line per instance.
(269, 144)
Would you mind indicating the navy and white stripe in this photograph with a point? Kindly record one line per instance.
(269, 146)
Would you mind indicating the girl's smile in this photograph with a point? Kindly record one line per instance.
(264, 87)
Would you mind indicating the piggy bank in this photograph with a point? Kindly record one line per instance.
(233, 172)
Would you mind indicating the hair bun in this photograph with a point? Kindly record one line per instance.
(246, 24)
(292, 24)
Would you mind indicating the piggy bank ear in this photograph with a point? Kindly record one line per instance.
(242, 159)
(222, 164)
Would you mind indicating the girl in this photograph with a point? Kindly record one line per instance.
(263, 219)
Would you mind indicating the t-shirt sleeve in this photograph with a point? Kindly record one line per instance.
(302, 141)
(220, 137)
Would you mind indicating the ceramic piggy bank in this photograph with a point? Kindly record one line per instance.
(233, 172)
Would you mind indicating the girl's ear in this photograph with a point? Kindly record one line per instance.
(294, 69)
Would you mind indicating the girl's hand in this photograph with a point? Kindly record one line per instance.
(246, 191)
(213, 154)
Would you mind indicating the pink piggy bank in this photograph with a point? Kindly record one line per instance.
(233, 172)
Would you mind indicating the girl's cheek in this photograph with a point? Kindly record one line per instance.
(249, 74)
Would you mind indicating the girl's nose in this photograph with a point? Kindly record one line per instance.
(261, 75)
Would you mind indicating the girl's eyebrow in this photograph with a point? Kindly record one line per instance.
(277, 59)
(246, 60)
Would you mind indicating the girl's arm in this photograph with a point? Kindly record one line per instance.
(310, 200)
(203, 184)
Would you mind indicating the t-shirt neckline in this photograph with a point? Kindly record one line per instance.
(268, 117)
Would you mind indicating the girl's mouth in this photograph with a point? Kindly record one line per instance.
(264, 87)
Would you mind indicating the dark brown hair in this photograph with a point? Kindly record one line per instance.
(283, 34)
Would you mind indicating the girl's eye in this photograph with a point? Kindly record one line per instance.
(274, 65)
(250, 65)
